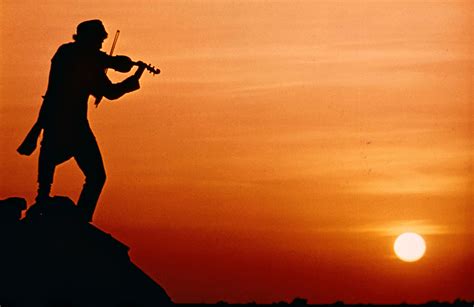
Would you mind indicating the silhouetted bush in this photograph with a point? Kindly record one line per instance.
(222, 303)
(280, 303)
(299, 301)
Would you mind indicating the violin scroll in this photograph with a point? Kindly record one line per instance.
(151, 69)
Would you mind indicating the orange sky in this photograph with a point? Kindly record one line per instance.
(282, 149)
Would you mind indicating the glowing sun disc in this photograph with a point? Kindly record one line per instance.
(409, 246)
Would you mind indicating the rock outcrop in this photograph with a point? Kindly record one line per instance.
(53, 258)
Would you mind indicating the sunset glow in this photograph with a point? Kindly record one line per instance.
(282, 149)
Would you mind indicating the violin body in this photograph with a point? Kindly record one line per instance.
(120, 63)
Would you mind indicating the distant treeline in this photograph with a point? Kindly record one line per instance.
(304, 302)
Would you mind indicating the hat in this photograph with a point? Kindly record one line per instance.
(91, 29)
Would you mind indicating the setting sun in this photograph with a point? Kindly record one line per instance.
(409, 247)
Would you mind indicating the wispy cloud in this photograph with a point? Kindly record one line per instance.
(394, 228)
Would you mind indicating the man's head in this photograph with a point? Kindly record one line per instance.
(90, 33)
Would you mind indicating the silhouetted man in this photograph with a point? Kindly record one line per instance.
(77, 71)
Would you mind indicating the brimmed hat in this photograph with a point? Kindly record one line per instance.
(91, 29)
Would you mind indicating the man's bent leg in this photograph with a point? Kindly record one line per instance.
(89, 159)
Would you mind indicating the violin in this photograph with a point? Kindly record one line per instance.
(123, 63)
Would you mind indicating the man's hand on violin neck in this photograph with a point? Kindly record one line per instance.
(141, 69)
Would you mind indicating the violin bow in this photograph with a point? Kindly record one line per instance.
(113, 46)
(98, 99)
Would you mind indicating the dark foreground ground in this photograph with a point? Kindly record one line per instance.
(338, 304)
(53, 258)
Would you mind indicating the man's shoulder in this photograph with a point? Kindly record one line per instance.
(64, 51)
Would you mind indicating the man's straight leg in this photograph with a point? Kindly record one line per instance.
(89, 159)
(46, 167)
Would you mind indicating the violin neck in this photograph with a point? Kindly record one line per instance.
(148, 67)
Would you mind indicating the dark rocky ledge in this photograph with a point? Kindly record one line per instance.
(53, 258)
